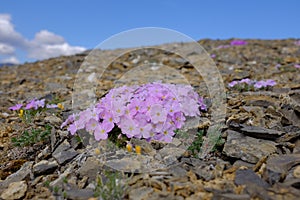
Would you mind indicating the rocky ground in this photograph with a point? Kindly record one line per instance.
(259, 158)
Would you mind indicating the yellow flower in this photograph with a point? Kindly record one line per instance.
(21, 113)
(97, 151)
(138, 149)
(129, 147)
(60, 106)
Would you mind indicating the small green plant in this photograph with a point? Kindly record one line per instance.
(31, 137)
(181, 134)
(56, 189)
(47, 183)
(197, 143)
(219, 141)
(110, 188)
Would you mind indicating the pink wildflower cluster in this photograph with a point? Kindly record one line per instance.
(233, 43)
(297, 42)
(152, 111)
(238, 42)
(33, 104)
(256, 84)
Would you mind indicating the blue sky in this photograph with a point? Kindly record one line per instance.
(33, 29)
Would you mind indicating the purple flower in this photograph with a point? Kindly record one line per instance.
(35, 104)
(91, 125)
(238, 42)
(31, 104)
(145, 131)
(51, 106)
(246, 80)
(202, 104)
(16, 107)
(72, 129)
(69, 120)
(270, 82)
(297, 65)
(40, 103)
(101, 131)
(213, 55)
(297, 43)
(157, 113)
(259, 84)
(129, 128)
(233, 83)
(150, 111)
(166, 135)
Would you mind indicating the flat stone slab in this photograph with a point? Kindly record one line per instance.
(247, 148)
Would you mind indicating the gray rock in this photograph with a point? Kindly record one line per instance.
(65, 145)
(44, 167)
(65, 156)
(59, 181)
(52, 119)
(172, 151)
(247, 148)
(90, 168)
(277, 167)
(134, 163)
(15, 190)
(177, 171)
(240, 163)
(140, 193)
(79, 194)
(21, 174)
(247, 176)
(222, 196)
(171, 155)
(260, 132)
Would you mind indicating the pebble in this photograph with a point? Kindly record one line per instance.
(15, 190)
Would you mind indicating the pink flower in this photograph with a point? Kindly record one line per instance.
(72, 129)
(16, 107)
(40, 103)
(31, 104)
(270, 82)
(91, 124)
(246, 80)
(51, 106)
(134, 107)
(238, 42)
(150, 111)
(69, 120)
(233, 83)
(166, 136)
(145, 131)
(178, 119)
(297, 65)
(157, 113)
(101, 131)
(128, 127)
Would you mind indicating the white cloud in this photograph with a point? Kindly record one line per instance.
(44, 45)
(47, 44)
(8, 34)
(46, 37)
(11, 59)
(6, 49)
